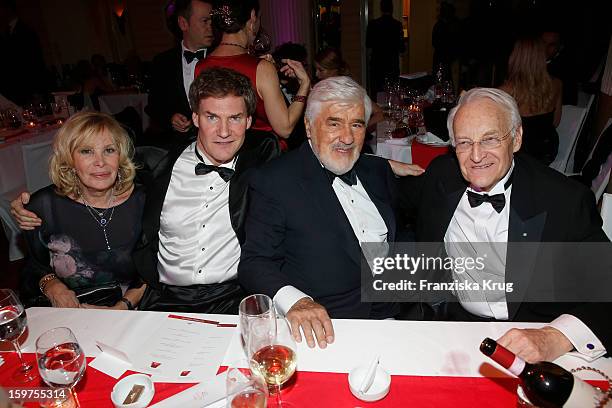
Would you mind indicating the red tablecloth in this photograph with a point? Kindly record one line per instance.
(310, 389)
(322, 390)
(423, 154)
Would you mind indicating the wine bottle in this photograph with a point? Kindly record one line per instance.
(545, 384)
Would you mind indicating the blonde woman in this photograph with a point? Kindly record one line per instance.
(538, 96)
(91, 219)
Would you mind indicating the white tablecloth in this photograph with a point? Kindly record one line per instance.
(405, 347)
(400, 153)
(13, 178)
(115, 103)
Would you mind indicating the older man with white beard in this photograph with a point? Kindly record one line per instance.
(309, 212)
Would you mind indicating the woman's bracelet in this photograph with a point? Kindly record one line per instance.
(129, 304)
(299, 98)
(44, 281)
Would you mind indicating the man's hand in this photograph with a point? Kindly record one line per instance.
(310, 317)
(534, 345)
(180, 122)
(27, 220)
(404, 169)
(60, 295)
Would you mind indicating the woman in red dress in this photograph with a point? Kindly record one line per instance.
(239, 22)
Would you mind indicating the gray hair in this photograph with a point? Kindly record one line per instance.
(336, 89)
(503, 99)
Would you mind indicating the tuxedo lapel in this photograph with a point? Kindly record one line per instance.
(156, 194)
(525, 228)
(317, 188)
(376, 190)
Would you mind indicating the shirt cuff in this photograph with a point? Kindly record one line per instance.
(286, 297)
(584, 340)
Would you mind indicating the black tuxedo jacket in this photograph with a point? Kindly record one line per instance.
(298, 234)
(545, 206)
(167, 95)
(257, 149)
(22, 71)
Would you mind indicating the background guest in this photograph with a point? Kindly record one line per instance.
(22, 72)
(239, 22)
(173, 72)
(329, 63)
(385, 40)
(538, 96)
(91, 218)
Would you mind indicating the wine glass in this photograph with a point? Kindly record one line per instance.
(13, 322)
(245, 388)
(61, 361)
(251, 308)
(272, 352)
(262, 43)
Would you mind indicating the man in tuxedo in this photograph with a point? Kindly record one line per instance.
(196, 199)
(487, 194)
(22, 72)
(310, 210)
(173, 72)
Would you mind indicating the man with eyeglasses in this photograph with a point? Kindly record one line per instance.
(487, 196)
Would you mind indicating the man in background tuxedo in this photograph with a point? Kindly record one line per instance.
(310, 210)
(173, 72)
(487, 194)
(23, 74)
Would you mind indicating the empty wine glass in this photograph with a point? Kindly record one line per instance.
(13, 323)
(245, 388)
(13, 118)
(262, 43)
(251, 308)
(272, 352)
(61, 361)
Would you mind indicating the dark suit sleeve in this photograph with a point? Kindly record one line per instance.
(586, 227)
(263, 251)
(158, 106)
(38, 262)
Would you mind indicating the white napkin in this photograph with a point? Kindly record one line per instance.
(431, 139)
(404, 141)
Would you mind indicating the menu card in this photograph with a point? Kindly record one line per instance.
(184, 349)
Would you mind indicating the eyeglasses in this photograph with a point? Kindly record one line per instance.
(486, 143)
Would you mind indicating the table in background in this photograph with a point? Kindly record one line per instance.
(115, 103)
(434, 364)
(411, 153)
(16, 175)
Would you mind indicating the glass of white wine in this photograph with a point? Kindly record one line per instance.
(272, 353)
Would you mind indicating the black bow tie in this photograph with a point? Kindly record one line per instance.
(203, 168)
(189, 56)
(498, 201)
(225, 173)
(350, 177)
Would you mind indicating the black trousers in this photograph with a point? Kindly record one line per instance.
(215, 298)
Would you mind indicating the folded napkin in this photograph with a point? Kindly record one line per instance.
(432, 140)
(404, 141)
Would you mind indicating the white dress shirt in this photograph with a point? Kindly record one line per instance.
(482, 224)
(197, 244)
(366, 222)
(188, 69)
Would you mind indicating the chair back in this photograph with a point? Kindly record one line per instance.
(606, 214)
(36, 164)
(570, 127)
